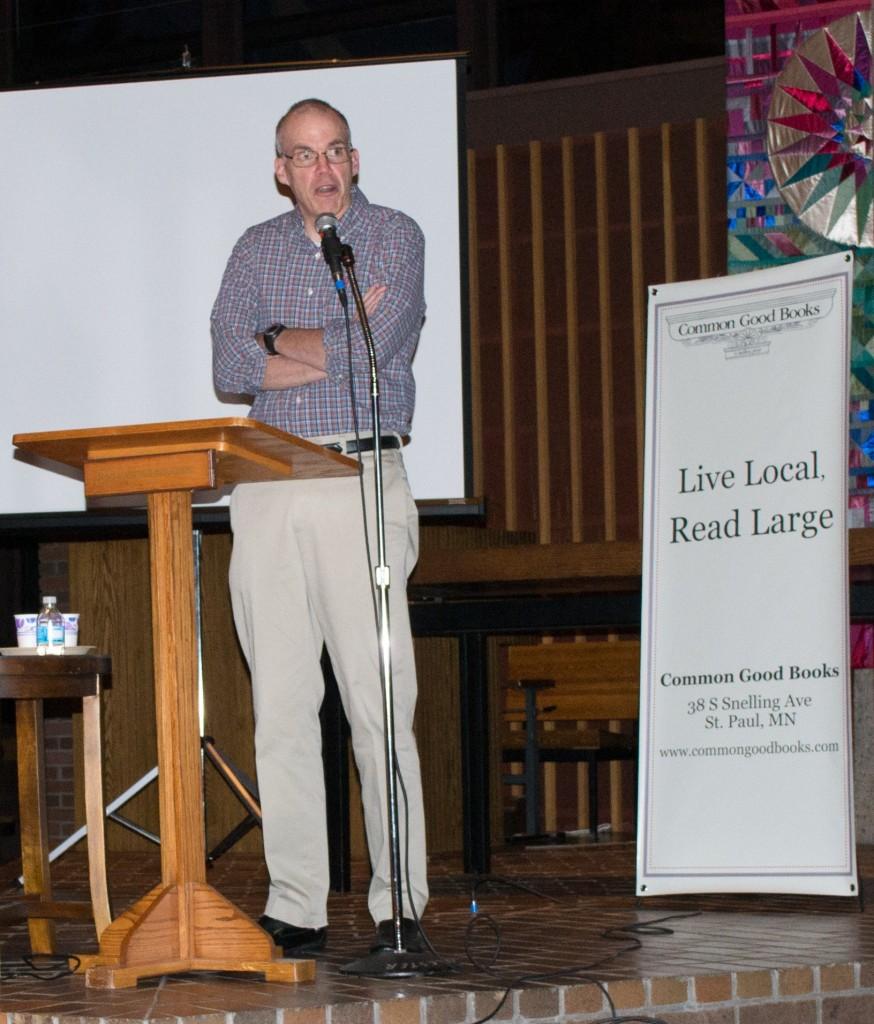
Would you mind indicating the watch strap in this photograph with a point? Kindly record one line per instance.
(270, 336)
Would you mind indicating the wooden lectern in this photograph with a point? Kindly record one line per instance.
(183, 924)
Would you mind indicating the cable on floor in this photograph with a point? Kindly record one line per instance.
(481, 920)
(40, 966)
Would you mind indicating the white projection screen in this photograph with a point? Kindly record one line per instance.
(119, 206)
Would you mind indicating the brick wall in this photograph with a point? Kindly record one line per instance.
(60, 802)
(793, 995)
(53, 575)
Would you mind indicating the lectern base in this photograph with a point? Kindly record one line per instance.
(179, 928)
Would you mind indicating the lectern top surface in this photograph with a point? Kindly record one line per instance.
(235, 440)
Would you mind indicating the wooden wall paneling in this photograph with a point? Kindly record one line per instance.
(688, 159)
(560, 372)
(652, 206)
(702, 194)
(621, 277)
(606, 336)
(628, 293)
(541, 271)
(638, 327)
(505, 257)
(664, 231)
(490, 312)
(523, 422)
(588, 381)
(541, 379)
(545, 484)
(607, 385)
(438, 735)
(668, 207)
(476, 396)
(574, 421)
(109, 585)
(638, 305)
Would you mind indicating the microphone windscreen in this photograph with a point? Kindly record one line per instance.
(326, 222)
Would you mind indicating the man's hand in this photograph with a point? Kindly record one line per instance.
(372, 298)
(300, 359)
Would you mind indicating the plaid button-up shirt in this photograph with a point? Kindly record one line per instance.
(276, 274)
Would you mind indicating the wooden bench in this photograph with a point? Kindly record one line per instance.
(566, 684)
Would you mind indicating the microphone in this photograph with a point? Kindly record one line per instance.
(326, 225)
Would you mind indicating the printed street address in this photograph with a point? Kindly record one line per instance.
(793, 708)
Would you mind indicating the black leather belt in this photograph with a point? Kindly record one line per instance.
(353, 447)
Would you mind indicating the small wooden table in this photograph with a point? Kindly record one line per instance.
(29, 680)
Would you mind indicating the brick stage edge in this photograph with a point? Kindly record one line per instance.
(561, 912)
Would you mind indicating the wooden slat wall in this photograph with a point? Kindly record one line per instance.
(505, 263)
(638, 293)
(574, 413)
(567, 237)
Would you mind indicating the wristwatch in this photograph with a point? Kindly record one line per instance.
(270, 336)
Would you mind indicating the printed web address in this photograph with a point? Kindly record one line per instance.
(743, 750)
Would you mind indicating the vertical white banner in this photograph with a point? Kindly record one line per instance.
(745, 727)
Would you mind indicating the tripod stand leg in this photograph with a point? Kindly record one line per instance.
(109, 812)
(242, 788)
(233, 837)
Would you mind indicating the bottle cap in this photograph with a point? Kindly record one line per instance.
(48, 599)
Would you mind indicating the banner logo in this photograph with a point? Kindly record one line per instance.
(746, 328)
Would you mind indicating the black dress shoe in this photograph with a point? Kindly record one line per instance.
(292, 939)
(385, 936)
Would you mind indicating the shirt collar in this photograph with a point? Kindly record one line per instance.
(349, 222)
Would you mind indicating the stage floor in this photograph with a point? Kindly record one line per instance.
(552, 924)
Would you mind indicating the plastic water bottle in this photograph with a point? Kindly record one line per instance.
(50, 628)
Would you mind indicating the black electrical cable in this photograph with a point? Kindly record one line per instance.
(580, 973)
(40, 966)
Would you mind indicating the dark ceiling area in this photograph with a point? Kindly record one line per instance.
(510, 42)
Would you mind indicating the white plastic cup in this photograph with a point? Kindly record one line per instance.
(71, 629)
(25, 628)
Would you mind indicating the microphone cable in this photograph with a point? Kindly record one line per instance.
(580, 973)
(40, 966)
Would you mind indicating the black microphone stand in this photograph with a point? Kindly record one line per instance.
(397, 962)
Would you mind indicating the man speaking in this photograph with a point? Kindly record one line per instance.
(300, 573)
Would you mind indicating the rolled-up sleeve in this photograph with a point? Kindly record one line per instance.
(238, 361)
(396, 259)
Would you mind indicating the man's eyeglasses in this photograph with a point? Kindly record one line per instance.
(303, 156)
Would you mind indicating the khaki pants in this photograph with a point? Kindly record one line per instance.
(300, 576)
